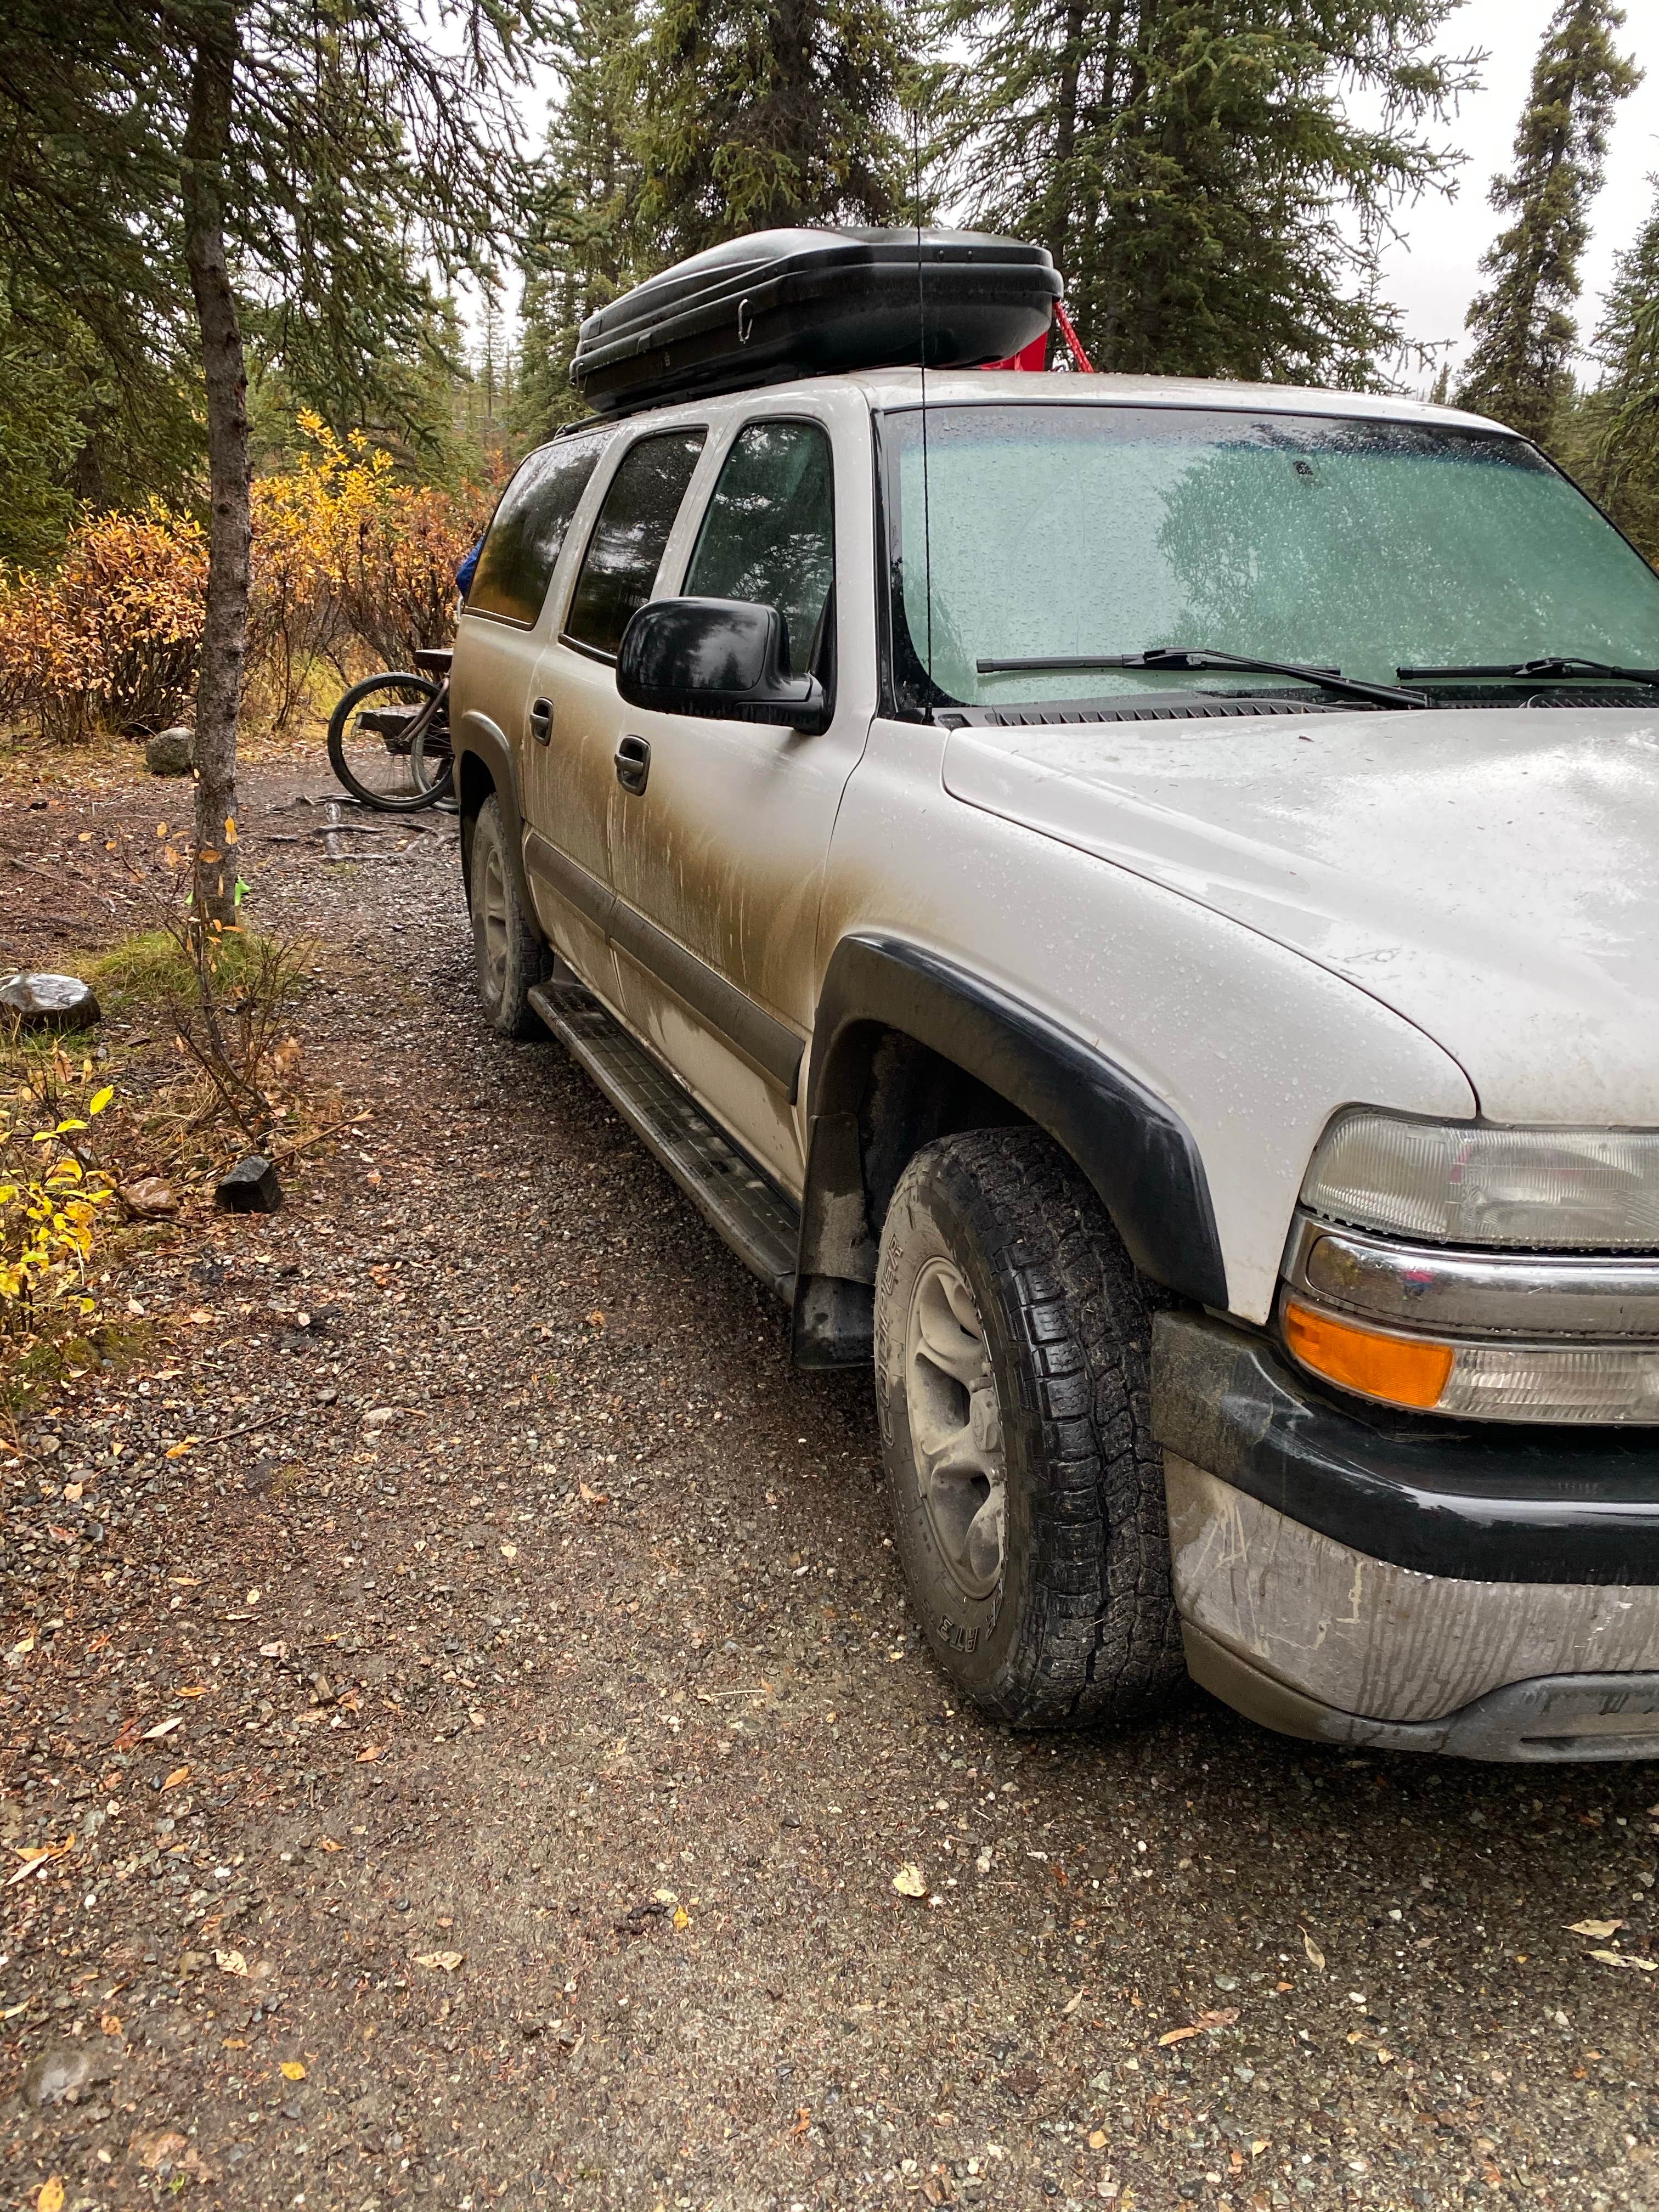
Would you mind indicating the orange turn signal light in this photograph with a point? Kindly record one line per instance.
(1406, 1370)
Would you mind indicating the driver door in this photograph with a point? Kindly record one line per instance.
(717, 856)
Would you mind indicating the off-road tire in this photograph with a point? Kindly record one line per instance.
(508, 956)
(1080, 1626)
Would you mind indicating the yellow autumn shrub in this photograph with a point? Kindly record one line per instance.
(351, 565)
(110, 640)
(50, 1199)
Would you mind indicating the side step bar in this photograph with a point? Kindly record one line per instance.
(742, 1205)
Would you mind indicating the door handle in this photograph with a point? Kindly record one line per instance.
(633, 758)
(541, 719)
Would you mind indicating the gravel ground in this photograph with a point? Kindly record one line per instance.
(489, 1742)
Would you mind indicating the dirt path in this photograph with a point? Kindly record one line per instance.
(514, 1723)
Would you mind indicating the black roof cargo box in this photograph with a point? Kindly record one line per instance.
(784, 303)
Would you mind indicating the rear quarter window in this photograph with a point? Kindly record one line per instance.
(525, 538)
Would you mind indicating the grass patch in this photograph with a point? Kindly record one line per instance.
(153, 968)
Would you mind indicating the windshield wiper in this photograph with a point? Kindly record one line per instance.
(1184, 656)
(1551, 665)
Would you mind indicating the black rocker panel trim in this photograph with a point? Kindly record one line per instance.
(1139, 1155)
(771, 1047)
(773, 1050)
(572, 882)
(1482, 1503)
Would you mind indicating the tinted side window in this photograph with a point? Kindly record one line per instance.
(633, 526)
(523, 545)
(770, 533)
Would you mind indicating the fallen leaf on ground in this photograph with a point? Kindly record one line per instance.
(179, 1774)
(444, 1962)
(50, 2198)
(328, 1844)
(1070, 2005)
(909, 1883)
(509, 1552)
(370, 1752)
(230, 1962)
(192, 1689)
(1601, 1929)
(291, 2070)
(1625, 1958)
(162, 1728)
(1206, 2019)
(681, 1917)
(159, 2149)
(1177, 2035)
(37, 1856)
(592, 1496)
(1315, 1956)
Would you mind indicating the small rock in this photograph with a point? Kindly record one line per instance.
(50, 1002)
(62, 2069)
(251, 1187)
(171, 752)
(149, 1194)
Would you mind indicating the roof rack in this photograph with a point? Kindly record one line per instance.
(787, 303)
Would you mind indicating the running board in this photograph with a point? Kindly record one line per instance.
(739, 1203)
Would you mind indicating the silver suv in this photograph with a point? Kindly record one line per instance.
(1134, 905)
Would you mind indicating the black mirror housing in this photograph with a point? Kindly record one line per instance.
(725, 659)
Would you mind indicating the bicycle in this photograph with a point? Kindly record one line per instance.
(388, 738)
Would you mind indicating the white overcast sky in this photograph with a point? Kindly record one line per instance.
(1434, 272)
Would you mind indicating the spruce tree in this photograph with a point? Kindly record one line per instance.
(1519, 368)
(757, 113)
(166, 164)
(1623, 468)
(583, 241)
(1195, 170)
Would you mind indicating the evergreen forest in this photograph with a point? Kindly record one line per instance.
(231, 229)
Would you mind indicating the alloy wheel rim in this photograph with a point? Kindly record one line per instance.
(493, 903)
(956, 1428)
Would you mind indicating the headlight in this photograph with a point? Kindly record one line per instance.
(1467, 1183)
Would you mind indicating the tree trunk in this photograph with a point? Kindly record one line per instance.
(224, 636)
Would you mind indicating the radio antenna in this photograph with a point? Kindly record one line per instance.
(921, 330)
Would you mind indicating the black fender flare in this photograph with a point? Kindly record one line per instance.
(1136, 1151)
(476, 735)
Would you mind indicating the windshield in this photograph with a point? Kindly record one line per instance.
(1048, 530)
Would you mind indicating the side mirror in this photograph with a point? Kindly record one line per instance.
(726, 659)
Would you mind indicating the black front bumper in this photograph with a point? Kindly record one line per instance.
(1478, 1502)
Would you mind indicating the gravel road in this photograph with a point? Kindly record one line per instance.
(489, 1762)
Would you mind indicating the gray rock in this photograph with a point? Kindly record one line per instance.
(50, 1002)
(171, 752)
(150, 1194)
(251, 1187)
(64, 2070)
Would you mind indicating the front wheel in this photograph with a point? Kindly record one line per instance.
(371, 741)
(1011, 1354)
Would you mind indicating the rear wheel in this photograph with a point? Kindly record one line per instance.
(371, 741)
(509, 956)
(1012, 1353)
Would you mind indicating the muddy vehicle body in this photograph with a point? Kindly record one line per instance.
(1134, 905)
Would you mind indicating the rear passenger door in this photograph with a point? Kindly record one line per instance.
(573, 776)
(505, 626)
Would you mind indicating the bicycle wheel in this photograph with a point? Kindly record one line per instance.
(371, 740)
(432, 761)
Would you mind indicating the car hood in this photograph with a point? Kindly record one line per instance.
(1491, 873)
